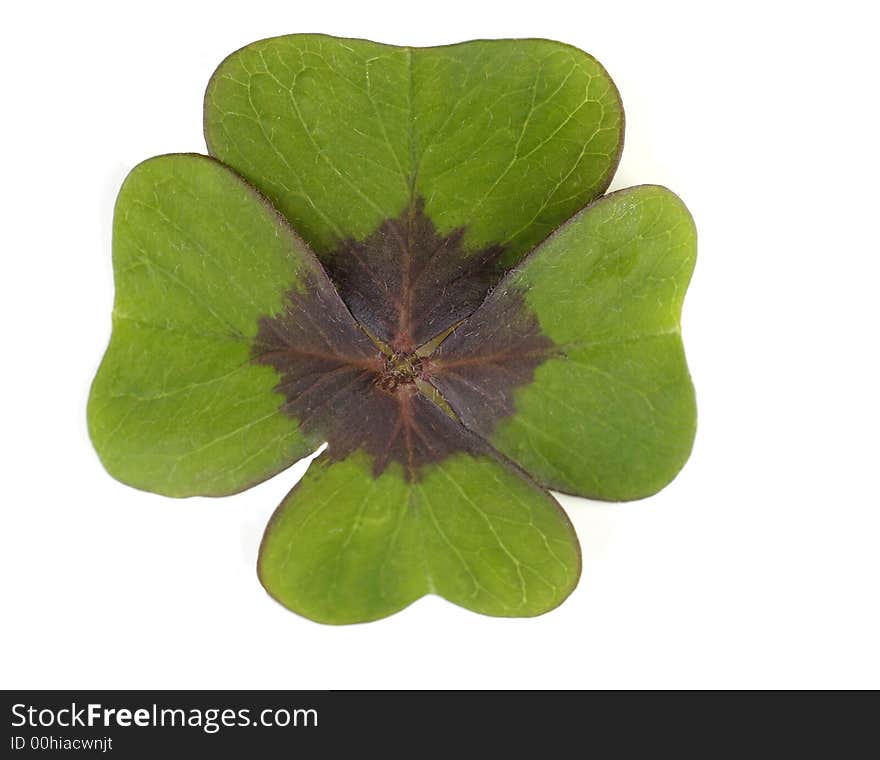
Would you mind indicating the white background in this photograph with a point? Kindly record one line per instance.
(757, 567)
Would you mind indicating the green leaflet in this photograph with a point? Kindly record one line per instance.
(344, 547)
(608, 288)
(613, 417)
(507, 138)
(177, 407)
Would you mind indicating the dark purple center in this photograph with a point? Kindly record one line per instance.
(392, 363)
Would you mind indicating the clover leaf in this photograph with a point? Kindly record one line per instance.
(401, 252)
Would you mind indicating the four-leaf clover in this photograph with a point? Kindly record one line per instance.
(402, 252)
